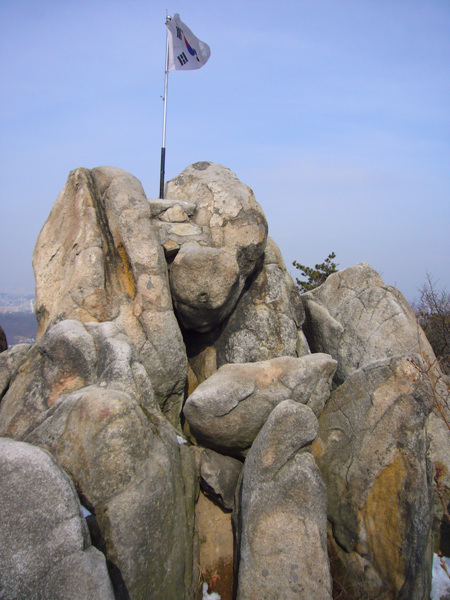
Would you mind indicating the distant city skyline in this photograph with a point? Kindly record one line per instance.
(335, 112)
(16, 302)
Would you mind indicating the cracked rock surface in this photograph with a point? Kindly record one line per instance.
(98, 258)
(227, 411)
(372, 452)
(357, 319)
(281, 516)
(206, 287)
(83, 394)
(46, 550)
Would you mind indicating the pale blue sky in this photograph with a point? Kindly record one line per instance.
(335, 112)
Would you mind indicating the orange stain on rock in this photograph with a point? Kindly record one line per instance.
(382, 518)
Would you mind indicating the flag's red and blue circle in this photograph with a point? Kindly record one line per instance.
(191, 50)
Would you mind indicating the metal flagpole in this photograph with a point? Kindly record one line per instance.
(163, 146)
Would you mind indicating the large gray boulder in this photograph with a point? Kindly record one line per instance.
(281, 519)
(10, 361)
(63, 360)
(227, 411)
(357, 319)
(206, 283)
(372, 452)
(69, 357)
(45, 549)
(98, 258)
(266, 323)
(105, 428)
(131, 477)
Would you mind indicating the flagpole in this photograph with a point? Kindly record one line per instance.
(163, 145)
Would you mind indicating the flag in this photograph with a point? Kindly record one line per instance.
(186, 52)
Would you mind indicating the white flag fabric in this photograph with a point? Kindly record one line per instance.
(186, 52)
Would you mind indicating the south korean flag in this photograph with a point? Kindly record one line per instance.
(186, 52)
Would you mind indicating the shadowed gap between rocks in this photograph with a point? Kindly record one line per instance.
(98, 541)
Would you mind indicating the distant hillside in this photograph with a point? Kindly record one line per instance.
(16, 302)
(19, 327)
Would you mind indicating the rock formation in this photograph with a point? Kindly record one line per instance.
(9, 364)
(83, 394)
(281, 516)
(45, 550)
(266, 323)
(268, 319)
(3, 340)
(98, 258)
(227, 411)
(371, 450)
(358, 320)
(182, 384)
(439, 453)
(232, 221)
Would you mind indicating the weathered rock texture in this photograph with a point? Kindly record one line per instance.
(372, 452)
(439, 453)
(83, 394)
(357, 319)
(281, 521)
(131, 476)
(227, 411)
(205, 285)
(98, 258)
(266, 323)
(235, 234)
(219, 475)
(215, 535)
(45, 549)
(10, 361)
(146, 306)
(3, 341)
(63, 360)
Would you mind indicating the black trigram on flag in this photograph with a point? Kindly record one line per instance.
(182, 58)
